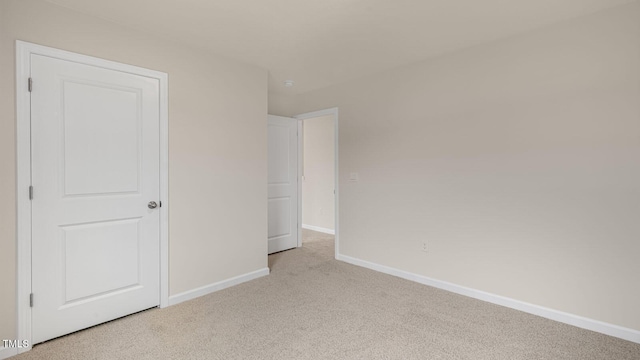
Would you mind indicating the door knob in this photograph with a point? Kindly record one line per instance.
(152, 205)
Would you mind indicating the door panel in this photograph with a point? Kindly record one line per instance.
(91, 250)
(283, 183)
(95, 166)
(280, 222)
(101, 133)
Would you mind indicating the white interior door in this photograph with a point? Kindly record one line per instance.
(95, 170)
(283, 183)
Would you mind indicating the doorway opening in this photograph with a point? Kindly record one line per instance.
(318, 177)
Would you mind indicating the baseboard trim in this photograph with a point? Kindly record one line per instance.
(6, 353)
(319, 229)
(220, 285)
(563, 317)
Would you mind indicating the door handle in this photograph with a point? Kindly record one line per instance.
(152, 205)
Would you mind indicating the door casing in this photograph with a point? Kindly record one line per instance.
(24, 50)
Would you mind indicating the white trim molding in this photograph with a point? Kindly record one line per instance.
(319, 229)
(563, 317)
(314, 114)
(220, 285)
(6, 353)
(300, 173)
(24, 52)
(23, 181)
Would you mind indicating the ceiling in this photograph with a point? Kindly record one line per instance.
(318, 43)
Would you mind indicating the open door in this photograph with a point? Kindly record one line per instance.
(282, 183)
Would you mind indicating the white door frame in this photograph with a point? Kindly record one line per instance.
(300, 118)
(24, 51)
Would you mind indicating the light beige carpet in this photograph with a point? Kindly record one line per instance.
(314, 307)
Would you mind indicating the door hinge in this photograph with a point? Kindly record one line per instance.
(31, 300)
(159, 203)
(30, 84)
(30, 192)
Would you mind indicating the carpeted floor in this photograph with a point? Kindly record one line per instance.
(314, 307)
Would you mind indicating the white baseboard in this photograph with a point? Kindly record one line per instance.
(319, 229)
(208, 289)
(6, 353)
(571, 319)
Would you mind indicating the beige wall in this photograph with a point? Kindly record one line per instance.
(282, 104)
(318, 202)
(517, 161)
(217, 142)
(7, 187)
